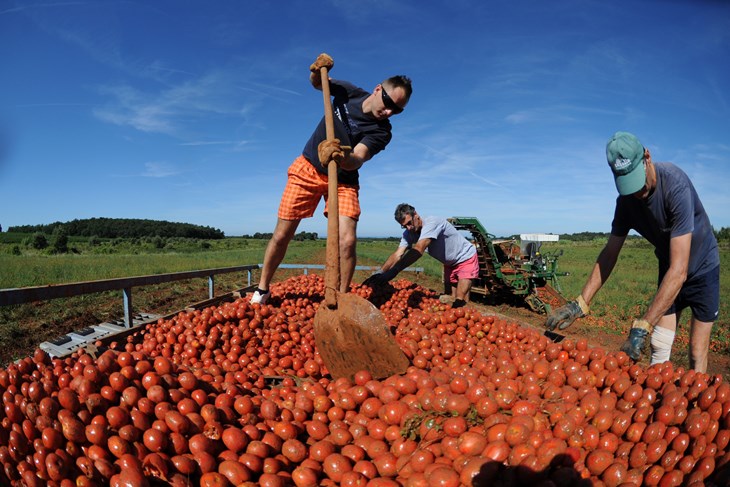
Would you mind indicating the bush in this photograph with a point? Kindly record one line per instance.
(60, 240)
(39, 241)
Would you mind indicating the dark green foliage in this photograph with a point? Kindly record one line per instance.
(125, 228)
(39, 241)
(722, 235)
(302, 236)
(584, 236)
(60, 240)
(299, 237)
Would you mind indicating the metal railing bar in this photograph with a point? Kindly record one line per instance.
(53, 291)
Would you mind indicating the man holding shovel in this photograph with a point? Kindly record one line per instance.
(659, 201)
(443, 242)
(362, 129)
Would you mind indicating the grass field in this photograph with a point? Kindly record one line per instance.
(623, 298)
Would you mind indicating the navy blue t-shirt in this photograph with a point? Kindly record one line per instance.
(352, 127)
(672, 210)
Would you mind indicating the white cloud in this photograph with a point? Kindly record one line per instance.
(159, 170)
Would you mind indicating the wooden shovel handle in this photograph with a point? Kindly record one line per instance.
(332, 270)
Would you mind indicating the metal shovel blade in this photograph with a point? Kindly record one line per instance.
(354, 336)
(555, 337)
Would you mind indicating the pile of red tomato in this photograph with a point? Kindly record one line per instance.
(237, 394)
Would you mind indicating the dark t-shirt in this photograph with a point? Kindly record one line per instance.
(352, 127)
(672, 210)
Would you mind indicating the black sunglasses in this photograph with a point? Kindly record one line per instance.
(388, 101)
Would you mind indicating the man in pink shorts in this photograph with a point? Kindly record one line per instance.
(443, 242)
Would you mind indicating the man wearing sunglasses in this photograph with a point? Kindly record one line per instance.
(443, 242)
(362, 129)
(658, 201)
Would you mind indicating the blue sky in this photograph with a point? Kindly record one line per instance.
(191, 111)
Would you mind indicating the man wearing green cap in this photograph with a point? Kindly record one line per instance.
(658, 201)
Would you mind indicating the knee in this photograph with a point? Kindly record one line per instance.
(348, 244)
(698, 350)
(699, 340)
(281, 237)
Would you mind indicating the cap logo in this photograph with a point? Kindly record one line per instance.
(621, 163)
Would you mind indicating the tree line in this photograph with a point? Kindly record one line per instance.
(123, 228)
(722, 235)
(299, 237)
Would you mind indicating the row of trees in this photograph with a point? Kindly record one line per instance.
(722, 235)
(136, 228)
(124, 228)
(299, 237)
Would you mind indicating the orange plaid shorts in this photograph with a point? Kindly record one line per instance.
(305, 187)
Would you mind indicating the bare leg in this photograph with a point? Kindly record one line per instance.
(699, 344)
(276, 249)
(348, 251)
(448, 288)
(463, 288)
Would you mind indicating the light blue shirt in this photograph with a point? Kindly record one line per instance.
(447, 245)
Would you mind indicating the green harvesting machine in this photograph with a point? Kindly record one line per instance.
(512, 271)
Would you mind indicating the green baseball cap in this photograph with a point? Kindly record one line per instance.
(625, 156)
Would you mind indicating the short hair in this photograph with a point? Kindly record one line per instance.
(400, 81)
(402, 210)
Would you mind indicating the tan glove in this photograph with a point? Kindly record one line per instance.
(331, 150)
(323, 61)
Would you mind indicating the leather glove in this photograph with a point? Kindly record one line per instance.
(374, 280)
(330, 150)
(633, 345)
(565, 315)
(322, 61)
(380, 278)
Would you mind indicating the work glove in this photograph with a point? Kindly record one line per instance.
(380, 278)
(322, 61)
(633, 346)
(565, 315)
(331, 150)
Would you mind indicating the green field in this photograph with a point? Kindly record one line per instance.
(623, 298)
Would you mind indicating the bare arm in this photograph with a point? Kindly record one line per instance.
(394, 257)
(673, 280)
(356, 158)
(603, 267)
(407, 257)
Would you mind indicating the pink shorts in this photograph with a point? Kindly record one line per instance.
(469, 269)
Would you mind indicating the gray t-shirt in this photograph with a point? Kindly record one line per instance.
(672, 210)
(447, 244)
